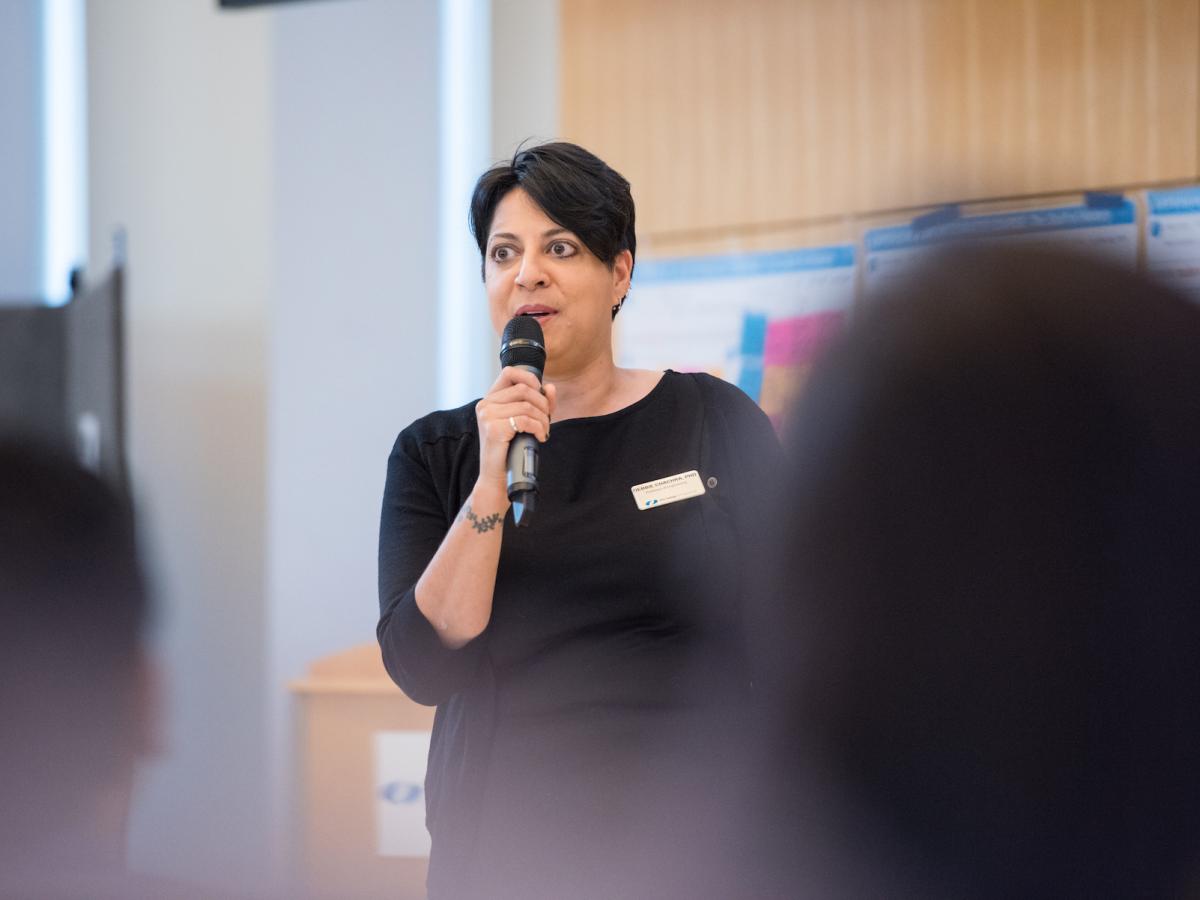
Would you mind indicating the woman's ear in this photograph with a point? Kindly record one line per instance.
(622, 271)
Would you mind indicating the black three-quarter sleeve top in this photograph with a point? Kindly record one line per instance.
(612, 623)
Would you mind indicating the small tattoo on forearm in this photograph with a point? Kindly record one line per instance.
(486, 523)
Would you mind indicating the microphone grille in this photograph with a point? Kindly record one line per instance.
(522, 343)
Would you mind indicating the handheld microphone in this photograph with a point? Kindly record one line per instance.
(523, 345)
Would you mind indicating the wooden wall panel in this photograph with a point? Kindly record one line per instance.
(740, 116)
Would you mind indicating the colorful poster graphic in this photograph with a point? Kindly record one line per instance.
(756, 320)
(790, 348)
(1173, 239)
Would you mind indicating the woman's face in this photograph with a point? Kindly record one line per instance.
(535, 266)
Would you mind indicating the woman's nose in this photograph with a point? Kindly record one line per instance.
(531, 274)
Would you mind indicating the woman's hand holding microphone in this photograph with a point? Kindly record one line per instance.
(516, 402)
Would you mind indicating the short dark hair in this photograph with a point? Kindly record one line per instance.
(73, 606)
(575, 188)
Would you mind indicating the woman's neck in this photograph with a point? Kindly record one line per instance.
(598, 388)
(587, 391)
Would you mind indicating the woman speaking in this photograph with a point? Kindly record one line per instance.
(571, 660)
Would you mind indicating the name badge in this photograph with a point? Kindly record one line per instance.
(662, 491)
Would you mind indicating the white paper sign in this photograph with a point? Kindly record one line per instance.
(400, 760)
(1173, 239)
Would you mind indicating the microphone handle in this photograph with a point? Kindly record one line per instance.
(523, 471)
(522, 464)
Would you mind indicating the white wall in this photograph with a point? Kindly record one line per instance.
(277, 172)
(354, 312)
(355, 119)
(21, 166)
(525, 73)
(180, 156)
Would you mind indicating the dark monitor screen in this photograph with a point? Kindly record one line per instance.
(95, 377)
(243, 4)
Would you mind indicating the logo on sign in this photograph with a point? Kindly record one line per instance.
(401, 793)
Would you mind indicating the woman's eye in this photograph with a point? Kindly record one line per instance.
(561, 248)
(502, 254)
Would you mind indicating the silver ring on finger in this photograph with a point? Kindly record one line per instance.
(513, 423)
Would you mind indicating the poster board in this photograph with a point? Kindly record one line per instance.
(1104, 225)
(759, 319)
(1172, 239)
(756, 319)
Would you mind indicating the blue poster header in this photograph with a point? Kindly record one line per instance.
(1176, 202)
(743, 265)
(901, 237)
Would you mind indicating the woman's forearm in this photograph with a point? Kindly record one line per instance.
(455, 591)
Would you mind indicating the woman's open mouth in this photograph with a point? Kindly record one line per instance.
(537, 311)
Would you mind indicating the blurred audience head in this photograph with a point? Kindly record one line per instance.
(74, 686)
(986, 633)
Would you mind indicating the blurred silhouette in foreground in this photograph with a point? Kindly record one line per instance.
(75, 683)
(982, 658)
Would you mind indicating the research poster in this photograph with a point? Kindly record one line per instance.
(1106, 227)
(756, 320)
(1173, 239)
